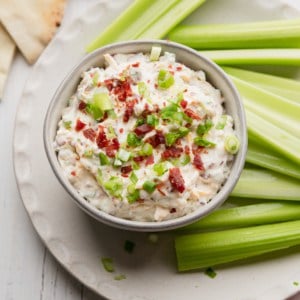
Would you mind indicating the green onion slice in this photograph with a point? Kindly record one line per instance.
(149, 186)
(232, 144)
(165, 79)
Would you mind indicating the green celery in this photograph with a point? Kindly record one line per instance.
(263, 156)
(265, 184)
(209, 249)
(170, 19)
(247, 215)
(255, 56)
(284, 87)
(137, 18)
(267, 34)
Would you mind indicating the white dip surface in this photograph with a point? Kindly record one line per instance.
(179, 128)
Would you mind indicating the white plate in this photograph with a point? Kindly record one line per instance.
(77, 241)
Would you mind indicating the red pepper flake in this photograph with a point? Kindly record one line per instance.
(172, 152)
(183, 103)
(179, 68)
(143, 129)
(172, 72)
(149, 160)
(79, 125)
(155, 85)
(190, 113)
(81, 105)
(197, 162)
(73, 173)
(176, 180)
(90, 134)
(136, 65)
(121, 130)
(173, 210)
(126, 169)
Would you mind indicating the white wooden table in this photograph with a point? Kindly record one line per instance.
(27, 269)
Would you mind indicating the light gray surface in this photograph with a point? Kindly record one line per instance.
(27, 270)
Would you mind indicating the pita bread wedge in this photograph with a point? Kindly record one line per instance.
(31, 23)
(7, 49)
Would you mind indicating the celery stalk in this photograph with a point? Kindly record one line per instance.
(209, 249)
(265, 184)
(140, 15)
(264, 157)
(255, 56)
(248, 215)
(284, 87)
(267, 34)
(170, 19)
(278, 110)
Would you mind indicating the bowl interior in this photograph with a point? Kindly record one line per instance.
(194, 60)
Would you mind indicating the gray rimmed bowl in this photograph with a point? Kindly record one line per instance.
(191, 58)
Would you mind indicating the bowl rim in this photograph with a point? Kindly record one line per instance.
(154, 226)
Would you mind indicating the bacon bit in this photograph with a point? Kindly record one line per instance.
(81, 105)
(155, 85)
(157, 139)
(110, 151)
(126, 169)
(183, 103)
(122, 90)
(101, 139)
(176, 180)
(149, 160)
(136, 65)
(187, 150)
(190, 113)
(143, 129)
(109, 83)
(98, 84)
(73, 173)
(171, 152)
(197, 149)
(159, 188)
(129, 110)
(179, 68)
(90, 134)
(172, 72)
(79, 125)
(173, 210)
(139, 158)
(140, 200)
(197, 162)
(121, 130)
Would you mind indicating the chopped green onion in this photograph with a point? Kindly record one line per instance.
(142, 88)
(114, 186)
(111, 132)
(67, 124)
(111, 114)
(204, 128)
(149, 186)
(120, 277)
(133, 140)
(232, 144)
(146, 150)
(160, 168)
(155, 53)
(165, 79)
(117, 162)
(199, 141)
(95, 78)
(135, 166)
(94, 110)
(140, 121)
(133, 193)
(99, 177)
(152, 120)
(185, 159)
(172, 137)
(221, 124)
(102, 100)
(153, 238)
(134, 179)
(129, 246)
(123, 155)
(104, 160)
(107, 263)
(210, 272)
(88, 153)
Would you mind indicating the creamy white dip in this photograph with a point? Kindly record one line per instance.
(145, 140)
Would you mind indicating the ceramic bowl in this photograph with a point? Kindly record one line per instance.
(189, 57)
